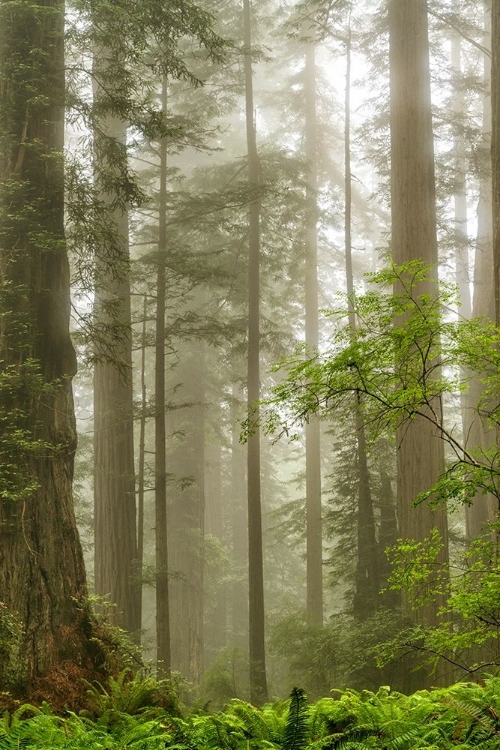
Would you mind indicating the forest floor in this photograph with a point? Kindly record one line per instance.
(463, 716)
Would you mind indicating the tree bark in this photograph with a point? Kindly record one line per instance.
(367, 580)
(163, 654)
(495, 146)
(42, 577)
(115, 529)
(186, 451)
(257, 652)
(420, 454)
(314, 533)
(239, 526)
(477, 432)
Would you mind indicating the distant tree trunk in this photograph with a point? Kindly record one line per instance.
(163, 655)
(217, 620)
(42, 576)
(258, 680)
(495, 146)
(367, 581)
(420, 455)
(462, 271)
(141, 469)
(314, 533)
(114, 470)
(477, 431)
(186, 513)
(388, 536)
(239, 527)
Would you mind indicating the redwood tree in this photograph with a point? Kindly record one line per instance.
(116, 555)
(44, 615)
(258, 681)
(420, 459)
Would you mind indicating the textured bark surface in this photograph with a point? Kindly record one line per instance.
(42, 576)
(116, 574)
(420, 455)
(258, 680)
(314, 533)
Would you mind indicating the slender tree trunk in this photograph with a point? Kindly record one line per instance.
(495, 146)
(163, 655)
(477, 432)
(217, 620)
(114, 470)
(258, 680)
(420, 456)
(42, 577)
(367, 581)
(462, 271)
(239, 527)
(314, 533)
(141, 470)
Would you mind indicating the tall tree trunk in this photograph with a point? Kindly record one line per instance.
(477, 432)
(163, 655)
(420, 455)
(257, 652)
(217, 621)
(186, 513)
(114, 471)
(367, 581)
(239, 526)
(495, 146)
(314, 534)
(461, 242)
(42, 576)
(141, 469)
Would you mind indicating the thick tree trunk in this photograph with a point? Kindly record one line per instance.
(114, 471)
(420, 456)
(163, 654)
(42, 576)
(258, 680)
(314, 533)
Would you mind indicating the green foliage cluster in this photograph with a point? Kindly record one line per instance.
(19, 443)
(469, 622)
(461, 717)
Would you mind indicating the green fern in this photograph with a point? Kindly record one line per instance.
(297, 725)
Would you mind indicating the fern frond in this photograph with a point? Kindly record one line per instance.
(296, 729)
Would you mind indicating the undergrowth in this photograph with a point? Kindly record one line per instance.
(141, 714)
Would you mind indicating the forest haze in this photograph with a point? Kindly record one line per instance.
(250, 362)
